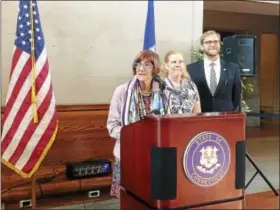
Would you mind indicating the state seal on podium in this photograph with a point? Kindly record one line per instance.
(206, 159)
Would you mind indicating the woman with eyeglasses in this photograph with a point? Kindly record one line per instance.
(131, 102)
(185, 97)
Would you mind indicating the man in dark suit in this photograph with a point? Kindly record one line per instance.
(218, 81)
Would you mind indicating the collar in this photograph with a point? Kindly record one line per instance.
(208, 62)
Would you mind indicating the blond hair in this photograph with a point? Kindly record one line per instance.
(164, 71)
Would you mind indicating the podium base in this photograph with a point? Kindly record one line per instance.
(129, 202)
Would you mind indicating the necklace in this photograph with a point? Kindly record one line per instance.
(180, 91)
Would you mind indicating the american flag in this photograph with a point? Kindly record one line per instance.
(30, 119)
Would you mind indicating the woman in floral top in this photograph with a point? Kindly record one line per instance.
(185, 97)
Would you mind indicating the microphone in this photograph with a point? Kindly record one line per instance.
(162, 86)
(162, 83)
(155, 111)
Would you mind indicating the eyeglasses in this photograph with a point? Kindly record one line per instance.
(146, 66)
(177, 62)
(211, 42)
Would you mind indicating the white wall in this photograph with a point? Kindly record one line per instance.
(91, 45)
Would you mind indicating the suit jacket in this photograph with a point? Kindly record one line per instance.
(228, 92)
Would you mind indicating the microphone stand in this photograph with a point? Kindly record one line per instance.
(163, 97)
(162, 86)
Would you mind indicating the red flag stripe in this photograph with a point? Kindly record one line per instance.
(15, 123)
(7, 134)
(22, 126)
(16, 55)
(21, 64)
(15, 99)
(24, 64)
(40, 130)
(25, 73)
(44, 141)
(31, 128)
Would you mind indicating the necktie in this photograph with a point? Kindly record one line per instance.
(213, 79)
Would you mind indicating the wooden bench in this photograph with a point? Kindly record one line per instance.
(82, 135)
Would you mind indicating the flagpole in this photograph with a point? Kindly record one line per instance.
(33, 73)
(33, 96)
(33, 192)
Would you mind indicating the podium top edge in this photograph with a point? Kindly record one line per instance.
(199, 115)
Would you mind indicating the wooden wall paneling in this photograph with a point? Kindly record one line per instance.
(83, 132)
(230, 21)
(82, 135)
(277, 93)
(242, 6)
(269, 75)
(268, 71)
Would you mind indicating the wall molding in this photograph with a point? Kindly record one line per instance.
(73, 108)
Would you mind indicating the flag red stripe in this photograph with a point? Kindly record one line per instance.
(26, 104)
(40, 79)
(19, 83)
(31, 128)
(16, 122)
(15, 58)
(45, 139)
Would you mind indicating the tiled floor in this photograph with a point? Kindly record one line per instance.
(264, 151)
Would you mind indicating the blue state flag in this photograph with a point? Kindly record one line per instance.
(149, 38)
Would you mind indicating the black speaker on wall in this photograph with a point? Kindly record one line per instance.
(241, 49)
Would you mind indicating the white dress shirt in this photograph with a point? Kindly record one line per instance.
(207, 68)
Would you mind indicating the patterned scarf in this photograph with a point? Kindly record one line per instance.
(130, 112)
(181, 101)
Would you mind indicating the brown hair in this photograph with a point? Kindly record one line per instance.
(149, 56)
(164, 71)
(207, 33)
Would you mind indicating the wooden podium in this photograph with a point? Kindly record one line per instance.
(194, 161)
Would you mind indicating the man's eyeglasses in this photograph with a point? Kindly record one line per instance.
(211, 42)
